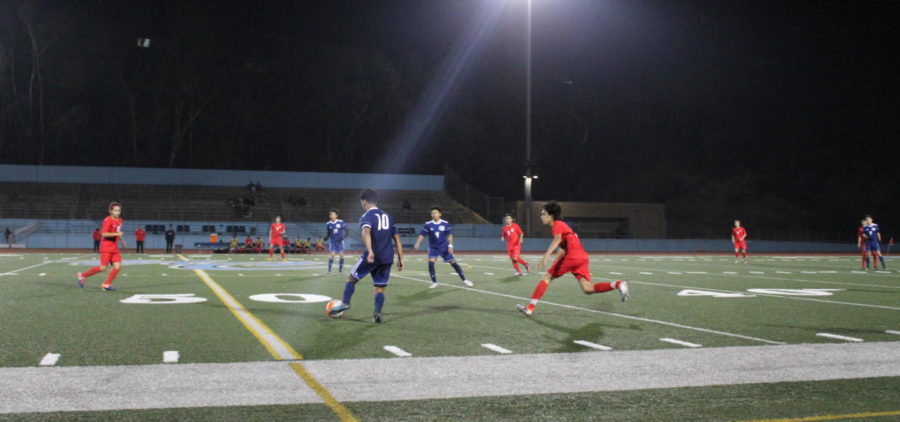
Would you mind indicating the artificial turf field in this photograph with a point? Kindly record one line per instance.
(699, 304)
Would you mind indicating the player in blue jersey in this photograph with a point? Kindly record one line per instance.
(873, 236)
(378, 230)
(336, 231)
(440, 244)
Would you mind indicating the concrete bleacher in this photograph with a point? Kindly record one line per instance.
(211, 203)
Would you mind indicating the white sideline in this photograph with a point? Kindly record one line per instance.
(496, 348)
(835, 336)
(398, 351)
(680, 342)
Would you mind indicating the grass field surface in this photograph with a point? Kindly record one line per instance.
(174, 314)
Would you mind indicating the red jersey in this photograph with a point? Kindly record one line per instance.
(140, 235)
(110, 225)
(249, 241)
(513, 235)
(739, 233)
(570, 242)
(859, 234)
(97, 235)
(276, 231)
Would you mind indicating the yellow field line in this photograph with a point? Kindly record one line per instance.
(274, 344)
(833, 417)
(336, 406)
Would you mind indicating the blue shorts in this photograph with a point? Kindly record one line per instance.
(381, 273)
(873, 246)
(434, 253)
(336, 246)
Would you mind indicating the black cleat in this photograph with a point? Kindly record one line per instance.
(377, 317)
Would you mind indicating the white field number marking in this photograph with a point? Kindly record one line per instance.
(163, 299)
(694, 292)
(796, 292)
(293, 298)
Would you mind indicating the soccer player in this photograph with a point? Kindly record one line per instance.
(248, 244)
(739, 238)
(139, 236)
(276, 234)
(861, 243)
(111, 232)
(440, 244)
(572, 258)
(513, 235)
(378, 230)
(335, 232)
(873, 239)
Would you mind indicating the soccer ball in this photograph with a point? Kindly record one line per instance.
(331, 304)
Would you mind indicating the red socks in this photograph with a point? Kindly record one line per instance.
(745, 254)
(737, 254)
(516, 266)
(604, 287)
(90, 272)
(112, 276)
(522, 261)
(538, 294)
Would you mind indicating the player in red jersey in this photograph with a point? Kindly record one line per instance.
(513, 235)
(571, 258)
(139, 236)
(276, 236)
(111, 232)
(739, 238)
(861, 243)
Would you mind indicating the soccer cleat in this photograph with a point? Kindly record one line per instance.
(519, 274)
(468, 283)
(523, 309)
(108, 288)
(377, 317)
(80, 280)
(433, 286)
(623, 289)
(338, 309)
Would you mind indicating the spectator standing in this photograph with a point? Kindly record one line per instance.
(170, 239)
(139, 236)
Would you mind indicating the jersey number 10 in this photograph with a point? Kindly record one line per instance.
(383, 222)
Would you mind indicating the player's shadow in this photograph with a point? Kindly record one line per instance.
(425, 294)
(590, 332)
(511, 279)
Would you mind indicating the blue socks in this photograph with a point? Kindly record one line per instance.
(431, 271)
(330, 261)
(379, 302)
(340, 265)
(349, 288)
(458, 270)
(881, 258)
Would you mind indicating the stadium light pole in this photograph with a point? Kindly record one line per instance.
(528, 163)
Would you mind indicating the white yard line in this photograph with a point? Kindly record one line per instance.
(680, 343)
(170, 356)
(835, 336)
(592, 345)
(892, 332)
(496, 348)
(613, 314)
(50, 359)
(13, 272)
(397, 351)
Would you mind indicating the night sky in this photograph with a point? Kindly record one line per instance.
(783, 114)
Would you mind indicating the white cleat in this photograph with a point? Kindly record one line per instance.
(468, 283)
(737, 260)
(433, 286)
(623, 289)
(519, 274)
(523, 309)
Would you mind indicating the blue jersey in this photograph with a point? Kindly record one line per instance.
(871, 232)
(335, 231)
(437, 233)
(383, 230)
